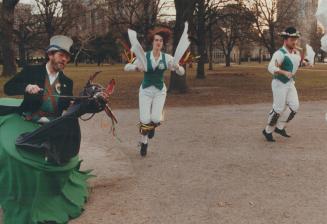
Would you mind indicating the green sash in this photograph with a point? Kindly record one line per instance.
(287, 65)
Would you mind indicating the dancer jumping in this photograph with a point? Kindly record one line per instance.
(152, 93)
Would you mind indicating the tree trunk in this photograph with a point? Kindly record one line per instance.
(192, 49)
(28, 57)
(7, 42)
(240, 56)
(210, 50)
(177, 82)
(228, 60)
(184, 10)
(260, 56)
(271, 52)
(22, 54)
(272, 48)
(201, 39)
(98, 61)
(146, 23)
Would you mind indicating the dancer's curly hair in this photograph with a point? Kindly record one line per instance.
(164, 32)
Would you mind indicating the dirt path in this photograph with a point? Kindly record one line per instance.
(209, 165)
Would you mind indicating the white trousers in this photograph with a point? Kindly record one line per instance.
(284, 94)
(151, 103)
(285, 100)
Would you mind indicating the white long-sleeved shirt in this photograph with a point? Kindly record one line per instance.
(169, 62)
(278, 58)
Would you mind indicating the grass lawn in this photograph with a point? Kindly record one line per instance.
(239, 84)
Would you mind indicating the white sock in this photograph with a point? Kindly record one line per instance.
(144, 139)
(281, 125)
(283, 118)
(269, 129)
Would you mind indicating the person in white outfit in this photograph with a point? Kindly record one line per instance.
(283, 67)
(152, 93)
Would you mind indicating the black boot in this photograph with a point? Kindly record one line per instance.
(282, 132)
(144, 149)
(151, 133)
(268, 136)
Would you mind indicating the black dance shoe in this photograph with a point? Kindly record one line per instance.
(282, 132)
(268, 136)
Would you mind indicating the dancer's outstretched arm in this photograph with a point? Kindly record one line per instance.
(173, 66)
(135, 66)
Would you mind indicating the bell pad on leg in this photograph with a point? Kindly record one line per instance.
(273, 118)
(292, 115)
(146, 128)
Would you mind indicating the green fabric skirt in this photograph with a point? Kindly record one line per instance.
(33, 191)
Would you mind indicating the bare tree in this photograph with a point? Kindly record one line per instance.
(247, 42)
(267, 22)
(81, 43)
(207, 16)
(6, 35)
(151, 14)
(122, 14)
(201, 38)
(27, 33)
(140, 15)
(213, 15)
(234, 25)
(184, 12)
(56, 16)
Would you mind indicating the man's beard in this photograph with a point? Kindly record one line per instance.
(58, 67)
(291, 47)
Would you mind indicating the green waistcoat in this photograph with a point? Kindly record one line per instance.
(154, 77)
(287, 65)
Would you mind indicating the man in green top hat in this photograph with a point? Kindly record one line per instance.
(42, 85)
(283, 67)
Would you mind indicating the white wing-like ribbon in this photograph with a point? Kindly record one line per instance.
(324, 43)
(321, 15)
(137, 48)
(310, 54)
(182, 46)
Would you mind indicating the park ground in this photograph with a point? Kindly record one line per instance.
(240, 84)
(208, 162)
